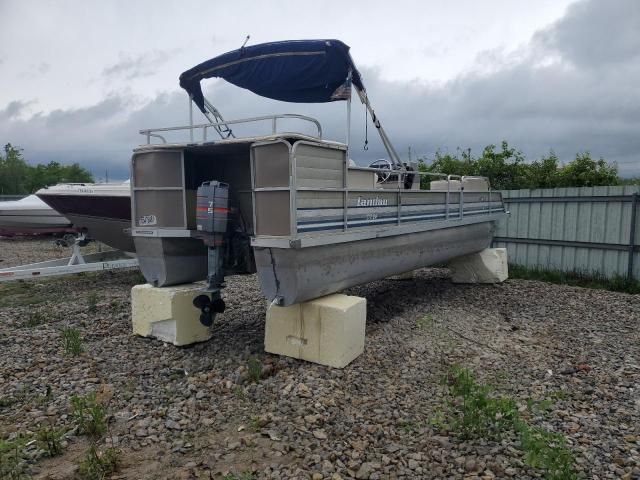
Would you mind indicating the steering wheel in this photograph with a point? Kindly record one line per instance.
(382, 163)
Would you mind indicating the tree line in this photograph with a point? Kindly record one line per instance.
(17, 177)
(507, 169)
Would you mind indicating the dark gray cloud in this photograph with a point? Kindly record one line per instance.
(143, 65)
(14, 109)
(595, 34)
(572, 88)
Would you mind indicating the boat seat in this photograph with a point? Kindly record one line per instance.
(361, 179)
(469, 184)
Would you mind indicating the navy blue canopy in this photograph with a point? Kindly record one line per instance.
(305, 71)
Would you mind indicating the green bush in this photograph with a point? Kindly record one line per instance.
(254, 369)
(72, 341)
(89, 415)
(507, 169)
(13, 460)
(49, 439)
(98, 465)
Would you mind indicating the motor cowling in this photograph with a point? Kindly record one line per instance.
(212, 214)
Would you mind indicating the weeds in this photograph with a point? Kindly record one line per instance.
(72, 341)
(595, 280)
(409, 426)
(254, 369)
(35, 319)
(547, 450)
(425, 322)
(89, 415)
(42, 399)
(138, 278)
(255, 423)
(49, 439)
(98, 465)
(13, 462)
(241, 476)
(7, 401)
(239, 393)
(92, 302)
(478, 413)
(538, 407)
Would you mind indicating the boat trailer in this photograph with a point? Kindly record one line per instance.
(76, 263)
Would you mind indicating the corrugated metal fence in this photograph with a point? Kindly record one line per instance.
(587, 229)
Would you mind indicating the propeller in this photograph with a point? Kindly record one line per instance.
(209, 308)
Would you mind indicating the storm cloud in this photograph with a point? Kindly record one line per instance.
(574, 86)
(142, 65)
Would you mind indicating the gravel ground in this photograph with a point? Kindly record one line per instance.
(192, 413)
(16, 251)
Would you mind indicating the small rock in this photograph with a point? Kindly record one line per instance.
(365, 470)
(172, 424)
(320, 434)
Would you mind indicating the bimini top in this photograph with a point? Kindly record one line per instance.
(305, 71)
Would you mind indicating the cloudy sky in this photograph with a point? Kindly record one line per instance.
(79, 79)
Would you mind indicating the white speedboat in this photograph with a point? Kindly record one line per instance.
(102, 211)
(29, 216)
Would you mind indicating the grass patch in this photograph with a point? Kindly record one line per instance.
(425, 322)
(89, 415)
(409, 426)
(475, 411)
(7, 402)
(13, 460)
(254, 369)
(239, 476)
(98, 465)
(72, 341)
(35, 319)
(24, 293)
(255, 423)
(49, 439)
(92, 302)
(595, 280)
(137, 278)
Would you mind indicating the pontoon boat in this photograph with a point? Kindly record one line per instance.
(291, 206)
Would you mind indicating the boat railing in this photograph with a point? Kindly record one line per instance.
(204, 127)
(453, 210)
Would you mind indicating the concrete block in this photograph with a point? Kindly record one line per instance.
(487, 266)
(328, 330)
(168, 314)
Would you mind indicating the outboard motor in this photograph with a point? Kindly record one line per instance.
(212, 211)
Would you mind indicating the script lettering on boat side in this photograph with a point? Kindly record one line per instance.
(372, 202)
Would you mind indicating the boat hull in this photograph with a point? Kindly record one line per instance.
(16, 222)
(171, 261)
(113, 232)
(291, 275)
(31, 216)
(106, 218)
